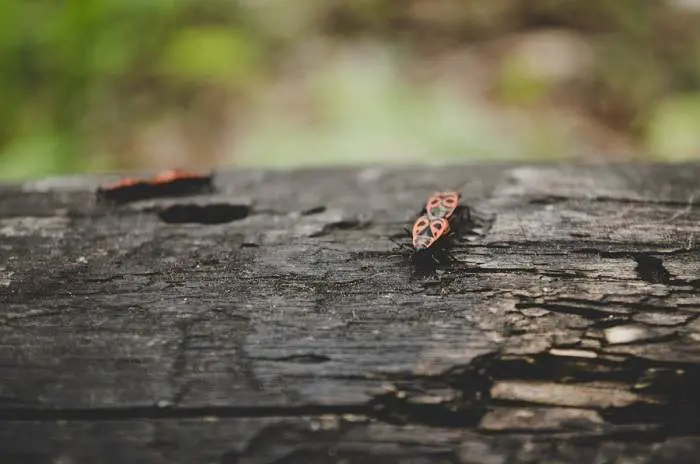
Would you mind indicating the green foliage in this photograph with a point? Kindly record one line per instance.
(674, 132)
(369, 114)
(68, 70)
(59, 60)
(214, 55)
(517, 83)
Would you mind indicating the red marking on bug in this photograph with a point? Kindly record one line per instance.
(127, 182)
(171, 182)
(439, 225)
(442, 204)
(426, 231)
(174, 174)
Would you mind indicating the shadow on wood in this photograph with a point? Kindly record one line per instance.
(275, 321)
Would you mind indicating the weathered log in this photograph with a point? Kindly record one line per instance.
(273, 320)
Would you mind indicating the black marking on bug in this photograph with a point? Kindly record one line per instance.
(144, 190)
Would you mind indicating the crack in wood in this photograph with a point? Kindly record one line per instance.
(461, 396)
(567, 322)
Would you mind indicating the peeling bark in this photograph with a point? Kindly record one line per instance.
(274, 320)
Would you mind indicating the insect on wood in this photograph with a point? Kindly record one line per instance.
(442, 204)
(173, 182)
(436, 228)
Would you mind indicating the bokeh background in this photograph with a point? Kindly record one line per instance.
(105, 85)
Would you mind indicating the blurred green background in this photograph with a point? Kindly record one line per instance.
(104, 85)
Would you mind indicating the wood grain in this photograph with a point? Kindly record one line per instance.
(275, 321)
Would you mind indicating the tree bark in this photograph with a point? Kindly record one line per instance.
(274, 320)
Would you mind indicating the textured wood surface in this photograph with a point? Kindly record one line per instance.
(274, 320)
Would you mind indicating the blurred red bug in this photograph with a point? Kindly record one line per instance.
(171, 182)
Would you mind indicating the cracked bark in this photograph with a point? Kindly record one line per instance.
(273, 320)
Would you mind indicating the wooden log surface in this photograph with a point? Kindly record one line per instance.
(273, 320)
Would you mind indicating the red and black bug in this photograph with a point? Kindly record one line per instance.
(437, 227)
(442, 204)
(173, 182)
(431, 239)
(176, 175)
(427, 231)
